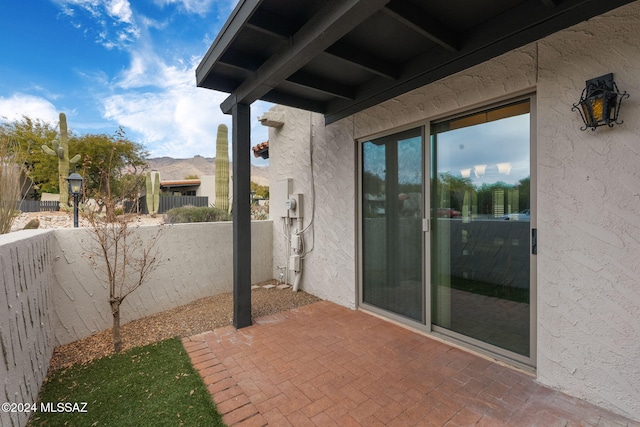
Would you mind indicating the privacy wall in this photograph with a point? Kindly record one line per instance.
(195, 262)
(51, 294)
(588, 197)
(26, 343)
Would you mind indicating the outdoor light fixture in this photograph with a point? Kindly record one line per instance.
(600, 102)
(75, 187)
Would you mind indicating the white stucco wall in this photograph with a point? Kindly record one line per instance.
(196, 262)
(26, 309)
(329, 269)
(589, 221)
(207, 188)
(588, 328)
(50, 294)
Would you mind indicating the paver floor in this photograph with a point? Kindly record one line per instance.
(326, 365)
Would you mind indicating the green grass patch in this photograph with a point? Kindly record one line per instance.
(154, 385)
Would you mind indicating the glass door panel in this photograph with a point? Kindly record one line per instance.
(480, 211)
(392, 206)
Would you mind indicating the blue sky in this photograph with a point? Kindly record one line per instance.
(110, 63)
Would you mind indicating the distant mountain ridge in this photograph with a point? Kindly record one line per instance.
(176, 169)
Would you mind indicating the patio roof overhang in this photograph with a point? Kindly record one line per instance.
(339, 57)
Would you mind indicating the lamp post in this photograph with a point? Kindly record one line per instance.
(75, 186)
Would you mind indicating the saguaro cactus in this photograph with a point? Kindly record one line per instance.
(153, 192)
(222, 168)
(61, 150)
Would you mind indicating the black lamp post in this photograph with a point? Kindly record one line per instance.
(75, 187)
(600, 102)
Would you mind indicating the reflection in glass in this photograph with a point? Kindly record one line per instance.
(392, 224)
(480, 236)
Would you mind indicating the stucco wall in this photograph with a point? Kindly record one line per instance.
(26, 309)
(329, 269)
(588, 216)
(196, 262)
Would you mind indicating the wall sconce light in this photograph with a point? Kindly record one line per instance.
(600, 102)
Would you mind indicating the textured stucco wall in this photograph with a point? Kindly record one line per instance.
(196, 262)
(589, 217)
(26, 308)
(329, 269)
(588, 331)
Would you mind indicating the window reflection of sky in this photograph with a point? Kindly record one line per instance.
(374, 159)
(504, 141)
(498, 148)
(409, 160)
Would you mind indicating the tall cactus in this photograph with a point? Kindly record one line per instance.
(153, 192)
(61, 150)
(222, 168)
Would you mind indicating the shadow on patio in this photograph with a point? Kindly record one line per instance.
(326, 365)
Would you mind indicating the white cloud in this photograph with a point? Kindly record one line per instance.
(19, 105)
(198, 7)
(120, 10)
(179, 120)
(162, 104)
(147, 69)
(115, 23)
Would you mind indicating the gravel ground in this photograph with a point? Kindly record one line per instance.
(199, 316)
(49, 220)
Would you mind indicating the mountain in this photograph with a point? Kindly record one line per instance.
(176, 169)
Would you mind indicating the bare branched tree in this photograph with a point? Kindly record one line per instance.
(120, 252)
(12, 173)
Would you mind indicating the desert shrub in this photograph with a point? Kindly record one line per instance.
(11, 170)
(196, 214)
(259, 213)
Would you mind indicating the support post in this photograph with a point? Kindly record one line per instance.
(241, 150)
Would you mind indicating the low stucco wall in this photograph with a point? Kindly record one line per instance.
(25, 318)
(196, 261)
(51, 294)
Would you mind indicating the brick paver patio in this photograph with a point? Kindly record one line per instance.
(325, 365)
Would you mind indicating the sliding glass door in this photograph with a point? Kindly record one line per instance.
(480, 240)
(392, 212)
(446, 230)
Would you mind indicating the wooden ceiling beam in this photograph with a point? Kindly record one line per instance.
(363, 60)
(415, 18)
(322, 85)
(326, 27)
